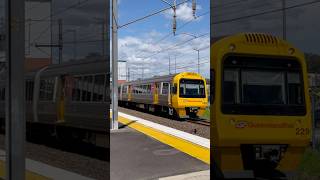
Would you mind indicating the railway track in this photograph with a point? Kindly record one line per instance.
(203, 122)
(194, 126)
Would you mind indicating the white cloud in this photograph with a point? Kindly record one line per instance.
(183, 12)
(153, 58)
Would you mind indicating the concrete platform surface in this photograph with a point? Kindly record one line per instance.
(201, 175)
(41, 171)
(135, 155)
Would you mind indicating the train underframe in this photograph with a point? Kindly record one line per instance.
(61, 133)
(277, 161)
(181, 113)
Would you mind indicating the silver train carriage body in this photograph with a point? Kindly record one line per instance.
(182, 95)
(71, 97)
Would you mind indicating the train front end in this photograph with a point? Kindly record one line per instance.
(260, 108)
(189, 95)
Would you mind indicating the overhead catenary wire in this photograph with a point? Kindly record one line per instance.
(62, 11)
(178, 68)
(170, 34)
(149, 15)
(264, 13)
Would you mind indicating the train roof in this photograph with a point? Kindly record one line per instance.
(156, 79)
(74, 68)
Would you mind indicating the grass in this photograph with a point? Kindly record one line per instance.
(206, 114)
(310, 165)
(310, 162)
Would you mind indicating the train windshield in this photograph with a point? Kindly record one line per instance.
(190, 88)
(262, 86)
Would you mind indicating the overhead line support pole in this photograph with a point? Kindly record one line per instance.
(114, 124)
(15, 90)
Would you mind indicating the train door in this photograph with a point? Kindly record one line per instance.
(174, 95)
(155, 88)
(61, 93)
(129, 92)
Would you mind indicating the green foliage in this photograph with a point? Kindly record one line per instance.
(310, 166)
(206, 114)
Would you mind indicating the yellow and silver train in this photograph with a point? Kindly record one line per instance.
(260, 106)
(181, 95)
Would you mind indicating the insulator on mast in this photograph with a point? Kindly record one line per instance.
(194, 8)
(174, 24)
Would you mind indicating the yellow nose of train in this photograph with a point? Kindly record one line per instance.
(260, 108)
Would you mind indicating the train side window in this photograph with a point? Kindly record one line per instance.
(231, 85)
(125, 89)
(98, 88)
(86, 88)
(107, 88)
(29, 90)
(76, 92)
(46, 90)
(165, 88)
(174, 88)
(2, 94)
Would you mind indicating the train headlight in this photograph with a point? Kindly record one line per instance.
(291, 51)
(258, 152)
(232, 47)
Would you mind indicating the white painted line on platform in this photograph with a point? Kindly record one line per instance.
(47, 170)
(201, 175)
(204, 142)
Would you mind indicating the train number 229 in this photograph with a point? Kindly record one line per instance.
(302, 131)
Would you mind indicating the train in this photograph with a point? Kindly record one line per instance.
(69, 100)
(260, 106)
(181, 95)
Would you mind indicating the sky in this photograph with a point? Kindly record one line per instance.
(302, 27)
(148, 45)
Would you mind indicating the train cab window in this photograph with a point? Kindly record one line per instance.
(295, 89)
(165, 88)
(262, 86)
(192, 88)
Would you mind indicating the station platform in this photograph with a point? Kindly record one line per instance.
(40, 171)
(141, 149)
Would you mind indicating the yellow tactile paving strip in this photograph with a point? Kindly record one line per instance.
(185, 146)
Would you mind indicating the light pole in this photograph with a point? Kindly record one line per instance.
(284, 20)
(198, 50)
(169, 65)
